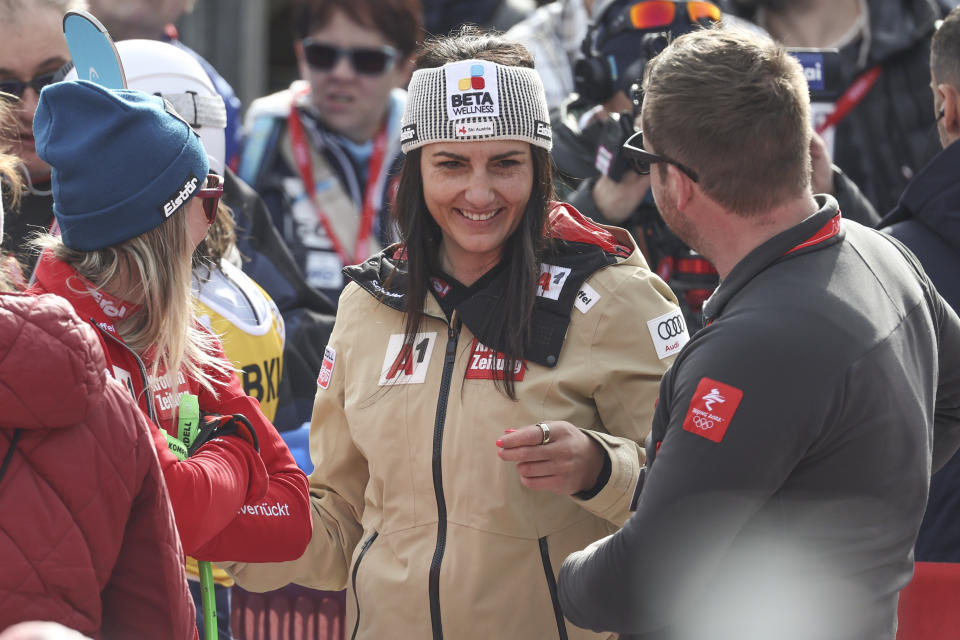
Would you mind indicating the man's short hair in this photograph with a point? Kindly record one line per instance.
(945, 51)
(735, 107)
(400, 21)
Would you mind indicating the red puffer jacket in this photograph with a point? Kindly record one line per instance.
(229, 502)
(87, 536)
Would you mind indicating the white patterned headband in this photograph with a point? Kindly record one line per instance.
(475, 100)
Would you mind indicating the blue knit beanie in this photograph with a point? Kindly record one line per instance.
(122, 162)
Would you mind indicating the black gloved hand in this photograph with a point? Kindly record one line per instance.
(216, 426)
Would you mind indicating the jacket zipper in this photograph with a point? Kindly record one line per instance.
(143, 371)
(453, 333)
(356, 567)
(552, 586)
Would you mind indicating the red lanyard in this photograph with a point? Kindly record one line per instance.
(850, 98)
(301, 154)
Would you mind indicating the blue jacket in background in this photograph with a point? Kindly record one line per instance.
(927, 220)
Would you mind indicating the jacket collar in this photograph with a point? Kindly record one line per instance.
(820, 230)
(579, 248)
(933, 197)
(90, 303)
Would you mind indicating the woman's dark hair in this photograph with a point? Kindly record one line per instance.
(400, 21)
(509, 319)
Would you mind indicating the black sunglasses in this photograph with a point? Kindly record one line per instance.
(366, 60)
(641, 159)
(16, 88)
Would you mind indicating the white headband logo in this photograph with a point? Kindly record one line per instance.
(472, 90)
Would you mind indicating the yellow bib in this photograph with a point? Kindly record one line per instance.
(250, 327)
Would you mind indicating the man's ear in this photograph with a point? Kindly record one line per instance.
(950, 106)
(682, 185)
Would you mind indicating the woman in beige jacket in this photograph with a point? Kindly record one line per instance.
(489, 381)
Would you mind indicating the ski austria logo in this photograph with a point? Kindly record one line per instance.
(472, 91)
(711, 409)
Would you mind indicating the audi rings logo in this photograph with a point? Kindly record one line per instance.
(703, 423)
(671, 327)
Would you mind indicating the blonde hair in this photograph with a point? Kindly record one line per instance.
(157, 265)
(10, 177)
(734, 107)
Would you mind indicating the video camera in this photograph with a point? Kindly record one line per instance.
(610, 160)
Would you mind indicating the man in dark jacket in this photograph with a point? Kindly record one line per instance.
(887, 135)
(927, 220)
(790, 452)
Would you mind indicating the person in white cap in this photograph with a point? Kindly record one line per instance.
(488, 381)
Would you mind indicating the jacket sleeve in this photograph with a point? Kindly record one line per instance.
(277, 526)
(697, 493)
(146, 595)
(337, 488)
(946, 419)
(626, 369)
(208, 489)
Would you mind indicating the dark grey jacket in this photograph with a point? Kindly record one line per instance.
(788, 464)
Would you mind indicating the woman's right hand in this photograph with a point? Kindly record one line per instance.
(570, 462)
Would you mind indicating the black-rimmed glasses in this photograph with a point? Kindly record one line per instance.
(16, 87)
(366, 60)
(641, 159)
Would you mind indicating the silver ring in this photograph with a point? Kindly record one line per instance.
(546, 432)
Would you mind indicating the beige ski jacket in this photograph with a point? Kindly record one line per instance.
(414, 512)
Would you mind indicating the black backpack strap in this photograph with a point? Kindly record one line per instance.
(9, 455)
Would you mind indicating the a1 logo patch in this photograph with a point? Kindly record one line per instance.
(552, 279)
(407, 363)
(711, 409)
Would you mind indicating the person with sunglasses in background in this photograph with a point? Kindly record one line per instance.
(32, 50)
(129, 224)
(323, 154)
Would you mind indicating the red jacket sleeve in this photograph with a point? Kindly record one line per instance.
(209, 488)
(146, 595)
(278, 526)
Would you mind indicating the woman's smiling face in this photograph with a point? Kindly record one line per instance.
(477, 193)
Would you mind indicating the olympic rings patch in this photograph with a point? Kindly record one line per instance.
(712, 408)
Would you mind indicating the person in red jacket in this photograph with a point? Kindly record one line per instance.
(132, 198)
(87, 536)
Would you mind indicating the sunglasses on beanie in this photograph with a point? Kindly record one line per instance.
(210, 194)
(365, 60)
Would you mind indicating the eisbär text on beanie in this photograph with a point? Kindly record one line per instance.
(122, 161)
(475, 100)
